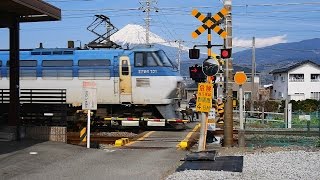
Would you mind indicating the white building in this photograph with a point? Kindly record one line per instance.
(297, 82)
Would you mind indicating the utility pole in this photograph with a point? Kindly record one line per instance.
(147, 7)
(179, 54)
(253, 72)
(228, 73)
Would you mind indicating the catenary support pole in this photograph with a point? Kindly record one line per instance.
(253, 72)
(241, 107)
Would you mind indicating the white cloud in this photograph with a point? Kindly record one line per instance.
(260, 42)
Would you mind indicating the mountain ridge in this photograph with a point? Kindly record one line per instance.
(267, 58)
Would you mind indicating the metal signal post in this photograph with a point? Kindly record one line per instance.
(204, 116)
(210, 67)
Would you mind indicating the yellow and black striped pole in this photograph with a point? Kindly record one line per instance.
(220, 110)
(204, 123)
(209, 39)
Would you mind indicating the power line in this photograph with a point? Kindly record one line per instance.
(279, 4)
(188, 7)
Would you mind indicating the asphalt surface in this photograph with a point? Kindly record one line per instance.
(50, 160)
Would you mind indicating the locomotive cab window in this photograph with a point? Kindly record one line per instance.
(125, 67)
(138, 59)
(165, 61)
(152, 59)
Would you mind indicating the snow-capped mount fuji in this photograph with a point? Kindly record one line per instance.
(132, 35)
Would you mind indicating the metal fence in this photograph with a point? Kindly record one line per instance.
(277, 120)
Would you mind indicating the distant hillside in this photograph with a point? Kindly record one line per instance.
(267, 58)
(279, 55)
(283, 53)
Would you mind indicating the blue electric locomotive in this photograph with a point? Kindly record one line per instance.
(128, 82)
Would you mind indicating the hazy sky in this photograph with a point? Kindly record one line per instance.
(270, 21)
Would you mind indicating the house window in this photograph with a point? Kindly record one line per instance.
(249, 78)
(247, 95)
(315, 95)
(280, 94)
(235, 94)
(276, 78)
(315, 77)
(282, 79)
(296, 77)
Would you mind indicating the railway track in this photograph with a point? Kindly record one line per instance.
(74, 138)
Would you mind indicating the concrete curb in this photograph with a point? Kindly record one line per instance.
(189, 139)
(121, 142)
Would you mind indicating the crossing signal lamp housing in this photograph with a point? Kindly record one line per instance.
(194, 53)
(197, 74)
(226, 53)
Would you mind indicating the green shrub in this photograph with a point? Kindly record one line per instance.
(318, 143)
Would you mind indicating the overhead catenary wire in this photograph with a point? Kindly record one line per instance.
(185, 11)
(198, 7)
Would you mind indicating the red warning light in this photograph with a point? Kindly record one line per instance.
(194, 70)
(225, 53)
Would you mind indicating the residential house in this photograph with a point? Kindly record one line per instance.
(297, 82)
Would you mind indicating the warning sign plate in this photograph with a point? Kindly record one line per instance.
(204, 99)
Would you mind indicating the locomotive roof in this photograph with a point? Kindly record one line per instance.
(38, 51)
(70, 49)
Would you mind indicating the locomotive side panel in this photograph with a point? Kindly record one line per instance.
(154, 78)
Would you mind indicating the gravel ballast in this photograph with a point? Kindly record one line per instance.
(262, 165)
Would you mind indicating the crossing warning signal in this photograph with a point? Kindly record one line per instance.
(226, 53)
(197, 74)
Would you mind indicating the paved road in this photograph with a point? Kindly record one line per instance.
(63, 161)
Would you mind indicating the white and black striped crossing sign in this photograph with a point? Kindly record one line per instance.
(210, 22)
